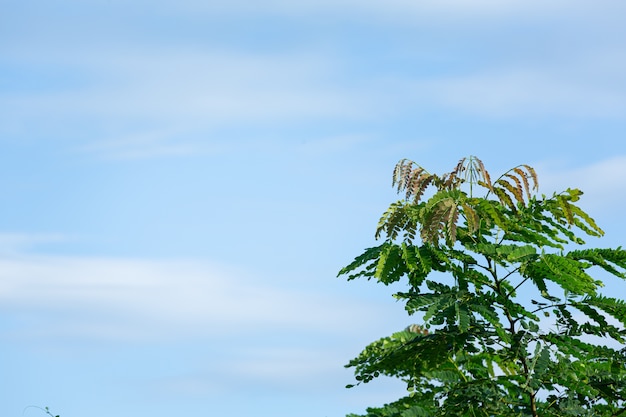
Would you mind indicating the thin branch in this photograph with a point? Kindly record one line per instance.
(550, 306)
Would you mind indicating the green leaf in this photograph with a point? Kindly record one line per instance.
(370, 254)
(565, 272)
(462, 316)
(390, 266)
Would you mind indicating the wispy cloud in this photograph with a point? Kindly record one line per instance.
(146, 103)
(15, 243)
(141, 98)
(144, 145)
(602, 184)
(589, 91)
(400, 9)
(121, 299)
(280, 364)
(191, 88)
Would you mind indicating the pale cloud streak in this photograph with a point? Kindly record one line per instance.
(283, 364)
(187, 93)
(15, 243)
(144, 104)
(400, 10)
(191, 88)
(601, 182)
(117, 299)
(575, 89)
(145, 99)
(144, 145)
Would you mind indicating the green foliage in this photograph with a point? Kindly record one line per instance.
(508, 313)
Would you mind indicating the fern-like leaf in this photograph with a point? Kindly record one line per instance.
(360, 263)
(567, 273)
(471, 218)
(390, 266)
(517, 189)
(401, 174)
(486, 179)
(419, 186)
(439, 218)
(591, 228)
(452, 218)
(532, 174)
(522, 175)
(606, 259)
(501, 192)
(462, 316)
(489, 210)
(451, 179)
(412, 179)
(396, 219)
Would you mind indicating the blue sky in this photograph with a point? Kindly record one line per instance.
(182, 181)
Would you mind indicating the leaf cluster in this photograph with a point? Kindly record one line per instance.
(508, 314)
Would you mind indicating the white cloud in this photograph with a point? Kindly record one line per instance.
(190, 88)
(139, 299)
(404, 10)
(602, 182)
(476, 11)
(143, 145)
(142, 98)
(143, 103)
(604, 196)
(13, 243)
(282, 364)
(332, 144)
(535, 92)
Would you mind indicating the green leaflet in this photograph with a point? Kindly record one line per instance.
(613, 307)
(567, 273)
(417, 302)
(491, 212)
(606, 259)
(561, 207)
(419, 266)
(370, 255)
(398, 218)
(462, 316)
(439, 217)
(507, 253)
(415, 411)
(439, 306)
(539, 367)
(390, 266)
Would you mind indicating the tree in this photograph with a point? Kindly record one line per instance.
(512, 320)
